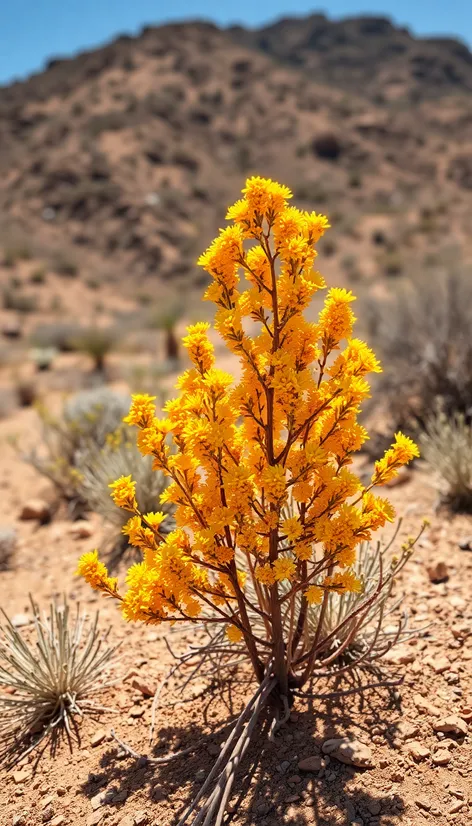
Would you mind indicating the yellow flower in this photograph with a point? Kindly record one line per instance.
(123, 493)
(200, 349)
(265, 574)
(402, 451)
(233, 633)
(95, 573)
(314, 595)
(293, 528)
(142, 410)
(284, 568)
(345, 582)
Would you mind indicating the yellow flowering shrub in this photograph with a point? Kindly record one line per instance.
(245, 453)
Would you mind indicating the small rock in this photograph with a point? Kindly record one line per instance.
(136, 711)
(441, 757)
(465, 544)
(213, 749)
(292, 798)
(19, 819)
(438, 572)
(141, 818)
(98, 738)
(351, 752)
(21, 776)
(438, 664)
(36, 509)
(400, 655)
(58, 820)
(453, 724)
(95, 818)
(456, 807)
(128, 820)
(20, 620)
(97, 800)
(310, 764)
(146, 689)
(81, 529)
(397, 777)
(264, 807)
(417, 750)
(48, 814)
(461, 630)
(423, 803)
(158, 794)
(200, 775)
(294, 779)
(424, 705)
(407, 730)
(374, 807)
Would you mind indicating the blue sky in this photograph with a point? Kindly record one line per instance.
(31, 31)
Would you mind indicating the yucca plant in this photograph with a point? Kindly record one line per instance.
(50, 679)
(98, 468)
(87, 419)
(447, 447)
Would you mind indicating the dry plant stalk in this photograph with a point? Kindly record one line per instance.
(284, 436)
(49, 682)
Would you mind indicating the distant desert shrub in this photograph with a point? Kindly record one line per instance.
(50, 679)
(26, 391)
(424, 334)
(447, 447)
(96, 342)
(60, 336)
(86, 421)
(14, 299)
(38, 276)
(8, 540)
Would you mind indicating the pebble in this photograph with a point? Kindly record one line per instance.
(400, 655)
(461, 631)
(310, 764)
(351, 752)
(407, 730)
(48, 814)
(58, 820)
(98, 738)
(97, 800)
(453, 724)
(147, 689)
(417, 750)
(141, 818)
(423, 803)
(465, 544)
(438, 664)
(424, 705)
(438, 572)
(136, 711)
(81, 529)
(36, 509)
(21, 775)
(20, 620)
(374, 807)
(442, 757)
(456, 807)
(95, 818)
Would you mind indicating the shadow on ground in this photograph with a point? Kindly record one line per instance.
(269, 788)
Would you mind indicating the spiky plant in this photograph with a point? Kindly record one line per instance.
(50, 678)
(447, 447)
(99, 468)
(87, 419)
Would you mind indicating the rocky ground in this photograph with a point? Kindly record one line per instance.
(411, 742)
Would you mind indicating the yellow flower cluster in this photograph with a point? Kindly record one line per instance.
(260, 469)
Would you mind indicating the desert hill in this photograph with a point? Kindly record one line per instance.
(118, 162)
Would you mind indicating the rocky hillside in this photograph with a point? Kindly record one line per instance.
(120, 161)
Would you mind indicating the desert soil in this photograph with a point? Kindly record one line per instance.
(420, 775)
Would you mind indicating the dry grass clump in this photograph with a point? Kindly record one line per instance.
(86, 421)
(447, 447)
(8, 540)
(48, 678)
(424, 335)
